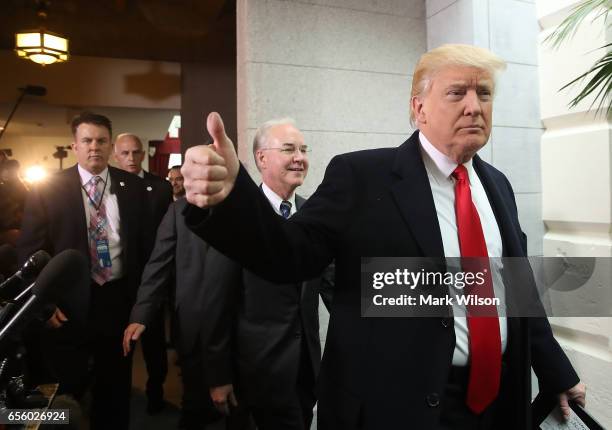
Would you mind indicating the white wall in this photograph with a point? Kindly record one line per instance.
(577, 190)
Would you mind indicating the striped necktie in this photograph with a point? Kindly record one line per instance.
(97, 229)
(285, 208)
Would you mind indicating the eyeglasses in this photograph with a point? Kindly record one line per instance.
(290, 149)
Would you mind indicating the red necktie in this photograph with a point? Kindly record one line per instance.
(485, 341)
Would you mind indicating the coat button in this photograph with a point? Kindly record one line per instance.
(433, 400)
(446, 322)
(298, 334)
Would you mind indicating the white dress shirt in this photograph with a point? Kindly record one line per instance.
(112, 214)
(276, 200)
(439, 172)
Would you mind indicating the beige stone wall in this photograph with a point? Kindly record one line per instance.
(341, 69)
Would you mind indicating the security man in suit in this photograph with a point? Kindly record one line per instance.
(263, 338)
(430, 197)
(101, 212)
(129, 155)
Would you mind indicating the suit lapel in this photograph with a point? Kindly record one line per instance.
(414, 199)
(299, 201)
(119, 189)
(510, 241)
(503, 215)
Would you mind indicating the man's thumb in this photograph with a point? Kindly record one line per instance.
(216, 129)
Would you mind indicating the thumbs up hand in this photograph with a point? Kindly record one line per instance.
(210, 170)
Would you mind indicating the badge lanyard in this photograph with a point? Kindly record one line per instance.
(102, 245)
(102, 225)
(97, 207)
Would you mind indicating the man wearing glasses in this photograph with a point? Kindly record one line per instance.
(262, 347)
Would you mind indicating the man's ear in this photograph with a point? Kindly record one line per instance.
(416, 103)
(261, 159)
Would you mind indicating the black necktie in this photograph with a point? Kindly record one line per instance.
(285, 208)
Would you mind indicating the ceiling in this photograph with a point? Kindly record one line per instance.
(177, 30)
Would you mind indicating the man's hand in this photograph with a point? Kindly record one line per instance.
(57, 319)
(577, 393)
(210, 170)
(221, 396)
(131, 333)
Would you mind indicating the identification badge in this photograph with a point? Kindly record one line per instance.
(103, 251)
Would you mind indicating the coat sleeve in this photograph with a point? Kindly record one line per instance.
(550, 363)
(158, 271)
(222, 285)
(279, 250)
(552, 367)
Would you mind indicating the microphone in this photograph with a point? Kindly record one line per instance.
(25, 275)
(68, 268)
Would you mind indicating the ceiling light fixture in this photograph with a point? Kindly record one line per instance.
(41, 46)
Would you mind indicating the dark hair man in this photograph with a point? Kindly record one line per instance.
(99, 211)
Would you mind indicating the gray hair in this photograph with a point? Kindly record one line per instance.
(261, 135)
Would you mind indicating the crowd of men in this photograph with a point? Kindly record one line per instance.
(129, 224)
(243, 266)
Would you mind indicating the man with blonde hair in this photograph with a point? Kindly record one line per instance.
(430, 197)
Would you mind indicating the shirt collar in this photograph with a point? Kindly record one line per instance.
(141, 174)
(444, 166)
(87, 175)
(276, 200)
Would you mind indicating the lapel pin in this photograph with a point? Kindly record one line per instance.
(122, 184)
(149, 189)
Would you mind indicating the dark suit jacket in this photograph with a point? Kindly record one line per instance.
(381, 373)
(178, 255)
(55, 220)
(159, 193)
(255, 331)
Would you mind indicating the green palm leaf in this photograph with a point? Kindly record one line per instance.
(601, 72)
(569, 25)
(601, 77)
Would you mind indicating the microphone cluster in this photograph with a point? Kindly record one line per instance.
(32, 293)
